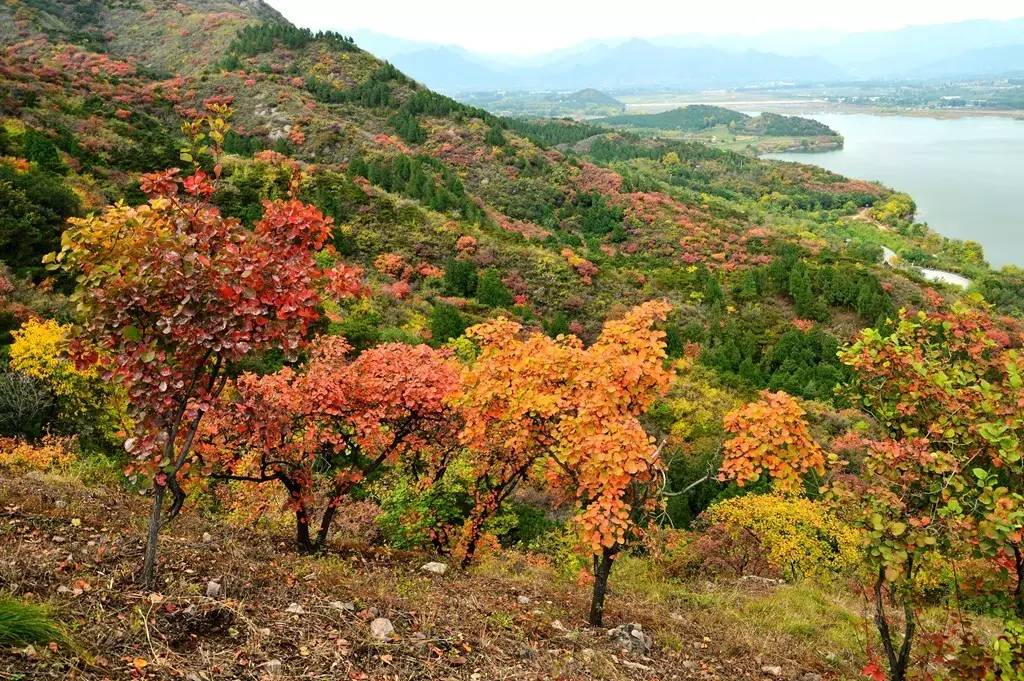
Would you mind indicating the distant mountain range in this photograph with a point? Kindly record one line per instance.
(960, 50)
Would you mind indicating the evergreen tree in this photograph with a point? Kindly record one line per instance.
(491, 290)
(446, 322)
(460, 278)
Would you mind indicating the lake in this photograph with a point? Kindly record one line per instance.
(965, 174)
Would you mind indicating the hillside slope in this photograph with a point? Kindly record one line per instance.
(455, 216)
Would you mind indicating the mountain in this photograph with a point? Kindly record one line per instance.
(634, 64)
(989, 61)
(450, 70)
(702, 61)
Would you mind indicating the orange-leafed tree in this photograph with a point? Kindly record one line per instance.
(323, 430)
(770, 436)
(554, 408)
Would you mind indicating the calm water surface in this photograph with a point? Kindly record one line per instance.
(966, 174)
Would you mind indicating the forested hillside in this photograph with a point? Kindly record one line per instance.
(334, 326)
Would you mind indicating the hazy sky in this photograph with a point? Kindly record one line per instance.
(531, 26)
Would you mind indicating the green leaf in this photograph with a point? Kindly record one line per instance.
(132, 333)
(898, 529)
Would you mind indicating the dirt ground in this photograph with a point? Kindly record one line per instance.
(283, 616)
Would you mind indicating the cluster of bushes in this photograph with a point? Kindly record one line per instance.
(700, 169)
(374, 92)
(462, 278)
(35, 201)
(770, 535)
(550, 133)
(260, 38)
(814, 288)
(802, 363)
(422, 178)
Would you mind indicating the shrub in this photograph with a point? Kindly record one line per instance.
(25, 405)
(446, 322)
(52, 452)
(460, 278)
(87, 405)
(771, 534)
(491, 290)
(22, 624)
(413, 517)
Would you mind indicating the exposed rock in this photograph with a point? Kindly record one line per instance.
(207, 537)
(772, 670)
(632, 638)
(523, 600)
(435, 568)
(213, 589)
(346, 606)
(382, 629)
(273, 667)
(757, 579)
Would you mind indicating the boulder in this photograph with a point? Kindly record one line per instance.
(382, 629)
(435, 568)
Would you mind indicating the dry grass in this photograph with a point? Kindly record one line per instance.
(76, 547)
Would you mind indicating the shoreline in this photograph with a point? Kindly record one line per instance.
(806, 107)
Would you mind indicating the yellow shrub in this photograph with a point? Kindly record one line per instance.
(87, 405)
(796, 536)
(52, 452)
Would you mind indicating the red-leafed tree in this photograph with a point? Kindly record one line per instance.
(170, 294)
(324, 429)
(555, 408)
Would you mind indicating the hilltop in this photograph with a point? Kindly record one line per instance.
(764, 133)
(455, 216)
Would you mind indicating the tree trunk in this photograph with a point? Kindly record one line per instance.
(602, 568)
(302, 539)
(325, 526)
(470, 539)
(148, 576)
(899, 661)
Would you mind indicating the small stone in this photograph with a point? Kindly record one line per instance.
(382, 629)
(772, 670)
(295, 609)
(343, 606)
(810, 676)
(523, 600)
(632, 638)
(273, 667)
(213, 589)
(207, 537)
(57, 539)
(435, 568)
